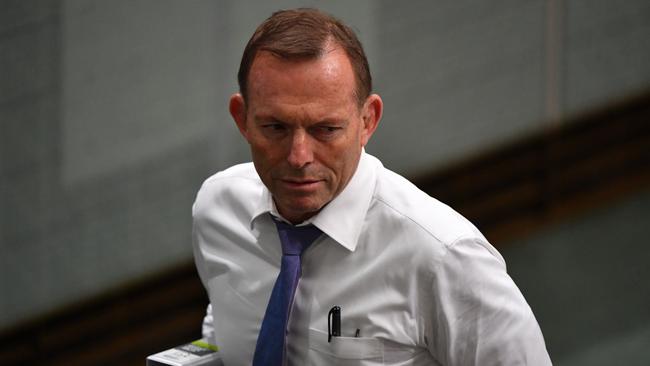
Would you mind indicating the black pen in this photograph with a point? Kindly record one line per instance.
(334, 328)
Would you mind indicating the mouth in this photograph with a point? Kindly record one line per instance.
(300, 184)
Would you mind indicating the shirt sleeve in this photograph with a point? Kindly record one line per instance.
(479, 315)
(207, 330)
(207, 327)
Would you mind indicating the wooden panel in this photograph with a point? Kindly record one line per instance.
(584, 164)
(121, 328)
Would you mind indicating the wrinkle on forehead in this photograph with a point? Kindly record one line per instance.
(302, 81)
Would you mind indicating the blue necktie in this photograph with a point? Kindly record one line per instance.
(270, 347)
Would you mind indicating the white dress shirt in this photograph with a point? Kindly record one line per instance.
(419, 281)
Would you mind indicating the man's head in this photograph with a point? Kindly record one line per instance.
(301, 34)
(306, 113)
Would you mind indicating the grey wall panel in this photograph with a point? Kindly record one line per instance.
(606, 51)
(138, 79)
(586, 281)
(457, 77)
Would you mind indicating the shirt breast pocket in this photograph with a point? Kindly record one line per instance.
(345, 351)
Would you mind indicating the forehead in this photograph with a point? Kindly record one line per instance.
(328, 79)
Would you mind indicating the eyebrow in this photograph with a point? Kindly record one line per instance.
(261, 118)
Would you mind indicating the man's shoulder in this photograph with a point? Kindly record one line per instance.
(416, 208)
(239, 176)
(228, 187)
(238, 171)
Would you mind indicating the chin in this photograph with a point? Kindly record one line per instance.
(305, 210)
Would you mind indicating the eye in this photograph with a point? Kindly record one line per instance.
(330, 128)
(274, 126)
(325, 132)
(273, 129)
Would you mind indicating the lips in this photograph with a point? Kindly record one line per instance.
(301, 184)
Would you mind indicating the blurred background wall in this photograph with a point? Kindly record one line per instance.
(113, 112)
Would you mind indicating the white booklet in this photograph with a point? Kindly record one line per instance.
(197, 353)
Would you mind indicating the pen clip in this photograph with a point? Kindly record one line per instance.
(333, 323)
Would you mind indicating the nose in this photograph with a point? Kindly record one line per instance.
(300, 151)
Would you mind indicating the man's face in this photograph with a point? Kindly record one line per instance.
(305, 128)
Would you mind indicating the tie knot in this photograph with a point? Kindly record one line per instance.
(295, 239)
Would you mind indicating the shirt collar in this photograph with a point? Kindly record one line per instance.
(342, 219)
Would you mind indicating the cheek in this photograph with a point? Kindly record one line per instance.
(261, 160)
(263, 151)
(344, 162)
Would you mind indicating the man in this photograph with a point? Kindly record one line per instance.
(414, 282)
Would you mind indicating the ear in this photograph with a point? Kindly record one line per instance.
(237, 107)
(371, 114)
